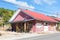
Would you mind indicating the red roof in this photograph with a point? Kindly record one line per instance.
(39, 16)
(58, 19)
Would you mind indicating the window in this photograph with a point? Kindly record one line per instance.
(45, 24)
(38, 25)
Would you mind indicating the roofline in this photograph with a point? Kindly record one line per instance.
(36, 18)
(17, 12)
(22, 21)
(14, 15)
(31, 16)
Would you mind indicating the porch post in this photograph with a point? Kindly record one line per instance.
(25, 27)
(17, 29)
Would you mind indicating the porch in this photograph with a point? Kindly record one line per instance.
(22, 26)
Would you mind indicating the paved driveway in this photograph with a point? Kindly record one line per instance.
(55, 36)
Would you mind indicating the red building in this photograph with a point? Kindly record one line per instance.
(30, 21)
(58, 24)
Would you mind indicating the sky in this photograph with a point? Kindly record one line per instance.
(48, 7)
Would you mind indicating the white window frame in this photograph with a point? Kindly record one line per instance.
(39, 25)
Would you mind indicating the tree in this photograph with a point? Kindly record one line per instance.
(6, 14)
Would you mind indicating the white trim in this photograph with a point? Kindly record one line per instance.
(39, 25)
(15, 14)
(28, 19)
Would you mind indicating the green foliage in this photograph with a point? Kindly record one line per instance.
(1, 24)
(6, 14)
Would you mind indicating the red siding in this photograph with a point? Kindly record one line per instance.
(33, 29)
(41, 29)
(52, 28)
(21, 16)
(18, 18)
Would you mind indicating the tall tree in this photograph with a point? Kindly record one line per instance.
(6, 14)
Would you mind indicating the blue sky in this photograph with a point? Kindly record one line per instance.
(48, 7)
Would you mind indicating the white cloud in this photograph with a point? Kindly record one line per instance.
(20, 3)
(49, 2)
(38, 1)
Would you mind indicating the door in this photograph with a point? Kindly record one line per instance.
(45, 28)
(20, 27)
(29, 26)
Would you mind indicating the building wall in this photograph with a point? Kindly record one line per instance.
(43, 27)
(58, 27)
(52, 27)
(37, 26)
(33, 29)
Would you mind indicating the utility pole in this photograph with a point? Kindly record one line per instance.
(57, 14)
